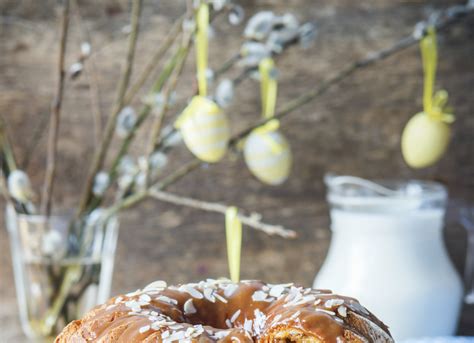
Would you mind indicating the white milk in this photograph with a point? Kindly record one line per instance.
(387, 250)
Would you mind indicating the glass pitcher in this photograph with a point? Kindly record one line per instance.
(387, 250)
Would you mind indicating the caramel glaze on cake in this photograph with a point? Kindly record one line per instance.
(222, 311)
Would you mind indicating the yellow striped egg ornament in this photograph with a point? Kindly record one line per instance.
(268, 155)
(205, 129)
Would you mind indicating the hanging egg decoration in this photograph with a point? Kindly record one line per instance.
(424, 140)
(205, 129)
(268, 155)
(203, 125)
(426, 136)
(266, 151)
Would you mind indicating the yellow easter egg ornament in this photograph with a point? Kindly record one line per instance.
(424, 140)
(426, 136)
(205, 129)
(268, 155)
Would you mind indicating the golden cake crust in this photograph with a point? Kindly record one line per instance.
(220, 311)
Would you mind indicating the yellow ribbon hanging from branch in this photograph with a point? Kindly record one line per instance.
(426, 136)
(434, 103)
(233, 228)
(202, 21)
(268, 87)
(266, 151)
(268, 93)
(203, 125)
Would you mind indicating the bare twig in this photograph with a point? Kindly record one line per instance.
(172, 83)
(227, 65)
(7, 155)
(155, 60)
(55, 116)
(91, 75)
(101, 152)
(145, 111)
(253, 220)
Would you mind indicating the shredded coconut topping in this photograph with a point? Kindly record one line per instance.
(333, 302)
(189, 307)
(191, 291)
(235, 316)
(342, 310)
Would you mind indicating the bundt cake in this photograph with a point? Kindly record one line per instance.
(223, 311)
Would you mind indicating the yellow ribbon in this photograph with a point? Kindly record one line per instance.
(233, 228)
(268, 87)
(202, 21)
(268, 93)
(433, 105)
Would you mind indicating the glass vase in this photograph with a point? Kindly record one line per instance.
(60, 272)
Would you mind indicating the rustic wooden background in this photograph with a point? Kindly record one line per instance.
(354, 129)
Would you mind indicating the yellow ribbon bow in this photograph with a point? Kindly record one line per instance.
(202, 21)
(233, 228)
(433, 105)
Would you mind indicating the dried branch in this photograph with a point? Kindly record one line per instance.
(91, 76)
(101, 152)
(55, 116)
(253, 220)
(227, 65)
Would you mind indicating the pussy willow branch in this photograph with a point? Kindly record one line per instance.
(444, 22)
(91, 76)
(226, 66)
(99, 156)
(93, 201)
(404, 43)
(155, 60)
(290, 107)
(142, 116)
(55, 115)
(253, 220)
(169, 89)
(145, 111)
